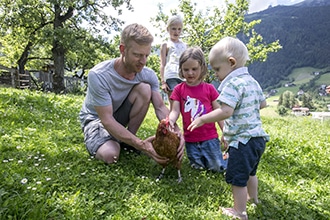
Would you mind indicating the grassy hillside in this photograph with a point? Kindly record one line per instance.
(299, 76)
(324, 79)
(303, 34)
(304, 77)
(46, 172)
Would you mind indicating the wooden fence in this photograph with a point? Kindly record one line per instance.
(35, 79)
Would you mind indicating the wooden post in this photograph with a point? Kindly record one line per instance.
(12, 77)
(23, 80)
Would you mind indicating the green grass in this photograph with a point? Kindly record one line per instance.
(303, 75)
(46, 172)
(324, 79)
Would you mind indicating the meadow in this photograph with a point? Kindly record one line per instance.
(46, 172)
(302, 76)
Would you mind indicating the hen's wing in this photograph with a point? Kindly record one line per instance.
(166, 145)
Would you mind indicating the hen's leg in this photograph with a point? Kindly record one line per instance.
(178, 167)
(161, 175)
(179, 177)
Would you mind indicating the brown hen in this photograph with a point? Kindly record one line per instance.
(166, 144)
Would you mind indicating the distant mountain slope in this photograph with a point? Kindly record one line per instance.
(312, 3)
(304, 33)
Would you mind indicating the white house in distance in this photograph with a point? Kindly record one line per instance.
(321, 115)
(300, 111)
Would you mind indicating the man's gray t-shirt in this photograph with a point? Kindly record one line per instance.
(107, 87)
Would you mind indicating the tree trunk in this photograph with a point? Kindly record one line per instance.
(58, 57)
(23, 59)
(58, 49)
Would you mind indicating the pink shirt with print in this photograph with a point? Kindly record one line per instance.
(194, 102)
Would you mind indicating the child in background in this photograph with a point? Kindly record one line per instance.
(194, 98)
(170, 53)
(241, 99)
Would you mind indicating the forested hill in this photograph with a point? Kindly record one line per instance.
(304, 33)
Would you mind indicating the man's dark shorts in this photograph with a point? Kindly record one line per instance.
(243, 162)
(95, 133)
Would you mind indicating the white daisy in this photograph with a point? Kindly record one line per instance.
(24, 181)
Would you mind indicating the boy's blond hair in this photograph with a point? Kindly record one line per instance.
(230, 47)
(175, 19)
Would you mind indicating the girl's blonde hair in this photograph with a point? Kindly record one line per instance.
(175, 19)
(230, 47)
(197, 54)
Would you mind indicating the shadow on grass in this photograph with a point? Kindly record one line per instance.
(79, 183)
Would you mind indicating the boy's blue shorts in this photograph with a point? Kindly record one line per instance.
(243, 162)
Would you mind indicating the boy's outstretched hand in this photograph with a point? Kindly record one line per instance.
(195, 124)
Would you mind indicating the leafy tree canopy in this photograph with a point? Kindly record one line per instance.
(204, 29)
(69, 32)
(50, 29)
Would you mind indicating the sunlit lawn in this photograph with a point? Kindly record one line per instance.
(46, 172)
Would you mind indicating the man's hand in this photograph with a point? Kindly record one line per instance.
(150, 151)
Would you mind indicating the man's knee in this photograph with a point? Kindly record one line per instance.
(110, 158)
(109, 153)
(142, 91)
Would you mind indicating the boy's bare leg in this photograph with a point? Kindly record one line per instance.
(252, 188)
(239, 210)
(240, 195)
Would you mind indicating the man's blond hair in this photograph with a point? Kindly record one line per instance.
(136, 32)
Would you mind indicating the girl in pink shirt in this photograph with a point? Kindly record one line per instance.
(193, 98)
